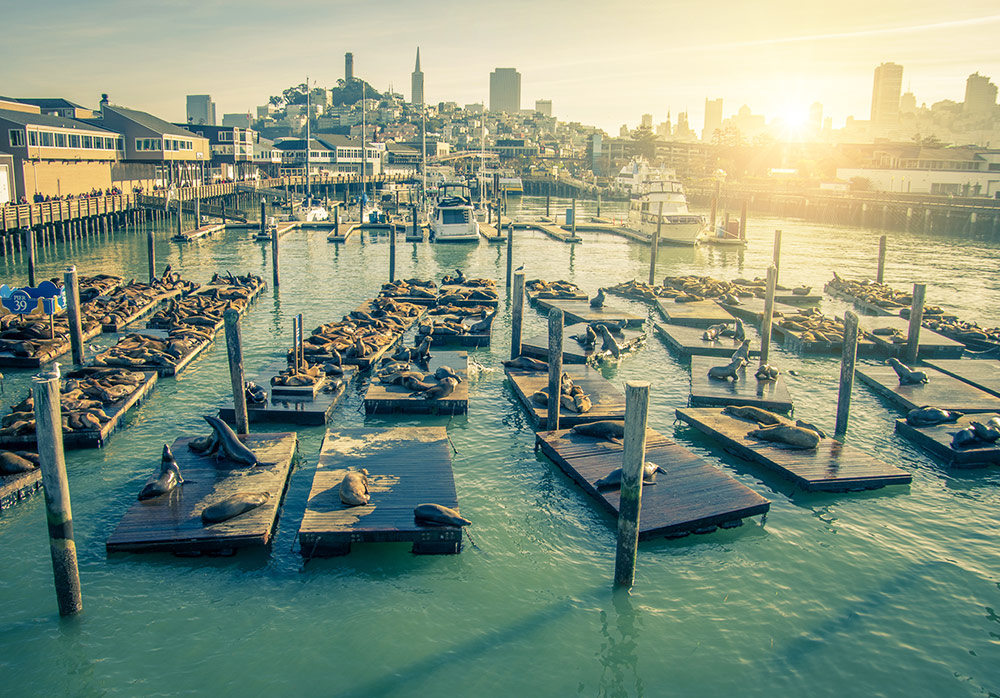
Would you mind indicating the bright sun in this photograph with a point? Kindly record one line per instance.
(794, 118)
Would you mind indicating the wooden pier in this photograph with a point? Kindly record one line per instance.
(184, 361)
(386, 399)
(797, 341)
(580, 311)
(306, 409)
(862, 305)
(172, 522)
(537, 346)
(712, 392)
(51, 351)
(941, 391)
(15, 488)
(140, 312)
(694, 314)
(692, 496)
(752, 309)
(833, 466)
(198, 233)
(535, 296)
(932, 344)
(690, 341)
(608, 401)
(481, 339)
(936, 440)
(979, 373)
(553, 231)
(407, 466)
(453, 289)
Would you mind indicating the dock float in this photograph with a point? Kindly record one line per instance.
(184, 361)
(832, 467)
(942, 391)
(537, 346)
(172, 522)
(936, 440)
(690, 341)
(711, 392)
(18, 487)
(480, 339)
(692, 496)
(198, 233)
(752, 309)
(407, 466)
(580, 311)
(553, 231)
(608, 401)
(386, 399)
(49, 349)
(304, 408)
(932, 344)
(871, 308)
(349, 228)
(139, 312)
(979, 373)
(694, 314)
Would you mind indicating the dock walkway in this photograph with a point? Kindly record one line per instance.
(979, 373)
(608, 401)
(198, 233)
(580, 311)
(936, 440)
(385, 399)
(942, 391)
(694, 314)
(711, 392)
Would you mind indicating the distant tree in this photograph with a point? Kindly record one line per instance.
(930, 141)
(645, 142)
(295, 95)
(274, 100)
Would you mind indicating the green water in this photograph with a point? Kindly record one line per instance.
(886, 593)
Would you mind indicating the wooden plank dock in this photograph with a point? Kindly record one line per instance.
(932, 344)
(833, 466)
(51, 352)
(936, 440)
(183, 362)
(198, 233)
(347, 229)
(140, 312)
(941, 391)
(172, 522)
(535, 296)
(452, 289)
(553, 231)
(15, 488)
(862, 305)
(694, 314)
(786, 298)
(690, 341)
(979, 373)
(537, 346)
(752, 309)
(796, 341)
(386, 399)
(481, 339)
(407, 466)
(294, 409)
(711, 392)
(580, 311)
(692, 496)
(608, 401)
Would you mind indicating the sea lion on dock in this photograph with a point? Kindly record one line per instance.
(754, 414)
(232, 506)
(609, 342)
(483, 325)
(13, 464)
(540, 398)
(988, 432)
(443, 389)
(598, 300)
(437, 515)
(728, 371)
(447, 372)
(766, 372)
(527, 363)
(588, 339)
(256, 395)
(604, 429)
(167, 479)
(614, 478)
(808, 425)
(713, 332)
(787, 435)
(907, 376)
(927, 416)
(227, 445)
(964, 438)
(354, 488)
(743, 352)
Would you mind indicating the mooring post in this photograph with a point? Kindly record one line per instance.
(847, 360)
(598, 204)
(510, 254)
(73, 313)
(715, 209)
(392, 251)
(223, 201)
(880, 274)
(263, 217)
(633, 461)
(29, 239)
(555, 366)
(58, 512)
(336, 220)
(573, 228)
(548, 204)
(655, 245)
(743, 220)
(180, 217)
(151, 254)
(234, 348)
(777, 254)
(517, 315)
(197, 213)
(916, 317)
(274, 257)
(765, 325)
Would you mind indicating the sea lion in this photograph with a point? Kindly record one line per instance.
(787, 435)
(13, 464)
(256, 395)
(354, 488)
(447, 372)
(598, 300)
(988, 432)
(740, 334)
(228, 444)
(927, 416)
(526, 363)
(232, 506)
(964, 437)
(604, 429)
(483, 325)
(713, 333)
(609, 344)
(808, 425)
(907, 376)
(444, 388)
(728, 371)
(167, 479)
(437, 515)
(540, 398)
(743, 352)
(614, 478)
(588, 339)
(754, 414)
(766, 372)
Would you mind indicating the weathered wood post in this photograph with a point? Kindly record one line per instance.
(517, 315)
(633, 460)
(555, 366)
(223, 201)
(715, 208)
(392, 251)
(58, 512)
(654, 246)
(180, 217)
(548, 204)
(151, 253)
(743, 221)
(777, 254)
(574, 217)
(263, 217)
(765, 325)
(916, 317)
(847, 360)
(336, 220)
(510, 255)
(29, 239)
(274, 257)
(880, 274)
(234, 348)
(598, 204)
(197, 212)
(72, 285)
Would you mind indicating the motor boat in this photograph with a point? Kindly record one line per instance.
(677, 226)
(454, 217)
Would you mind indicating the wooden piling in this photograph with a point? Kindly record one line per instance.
(848, 359)
(765, 326)
(598, 204)
(510, 252)
(274, 258)
(916, 317)
(881, 259)
(73, 314)
(777, 254)
(548, 204)
(715, 209)
(392, 251)
(517, 315)
(29, 239)
(263, 218)
(743, 220)
(633, 460)
(574, 216)
(58, 512)
(654, 246)
(234, 348)
(555, 366)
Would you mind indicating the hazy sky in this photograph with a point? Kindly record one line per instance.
(602, 63)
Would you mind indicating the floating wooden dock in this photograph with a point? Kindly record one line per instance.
(862, 305)
(252, 296)
(941, 391)
(690, 341)
(535, 296)
(386, 399)
(52, 352)
(451, 289)
(752, 309)
(692, 496)
(90, 438)
(936, 440)
(795, 299)
(580, 311)
(198, 233)
(796, 341)
(979, 373)
(694, 314)
(711, 392)
(15, 488)
(575, 353)
(140, 312)
(407, 466)
(833, 466)
(172, 522)
(932, 344)
(346, 230)
(553, 231)
(183, 362)
(294, 409)
(481, 339)
(608, 401)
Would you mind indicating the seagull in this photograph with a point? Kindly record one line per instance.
(520, 268)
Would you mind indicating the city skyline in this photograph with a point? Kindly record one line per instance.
(604, 69)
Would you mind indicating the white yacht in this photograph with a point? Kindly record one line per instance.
(311, 210)
(679, 226)
(454, 218)
(634, 176)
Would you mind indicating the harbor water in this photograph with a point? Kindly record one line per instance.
(882, 593)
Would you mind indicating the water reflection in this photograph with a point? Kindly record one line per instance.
(620, 649)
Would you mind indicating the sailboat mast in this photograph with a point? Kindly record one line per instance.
(308, 140)
(364, 138)
(423, 149)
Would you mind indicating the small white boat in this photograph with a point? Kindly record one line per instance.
(721, 236)
(454, 217)
(311, 211)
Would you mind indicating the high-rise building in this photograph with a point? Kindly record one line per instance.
(543, 107)
(885, 95)
(201, 110)
(980, 95)
(417, 82)
(646, 121)
(907, 103)
(505, 90)
(348, 67)
(713, 118)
